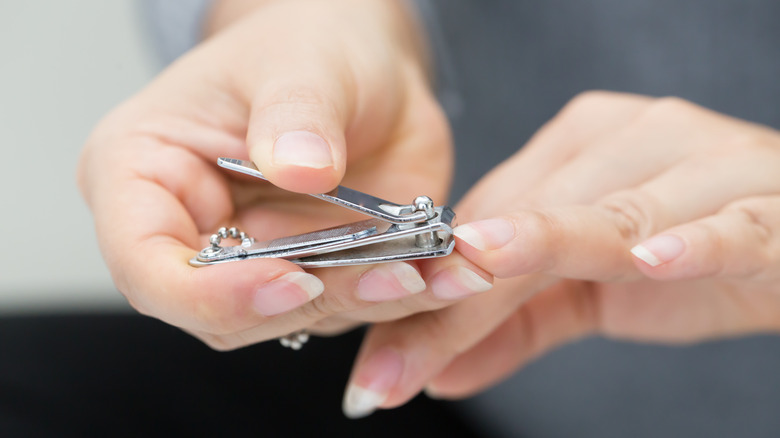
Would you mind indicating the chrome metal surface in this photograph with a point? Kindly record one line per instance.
(397, 232)
(365, 242)
(345, 197)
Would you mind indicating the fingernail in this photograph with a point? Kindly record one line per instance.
(488, 234)
(302, 148)
(458, 282)
(372, 383)
(389, 281)
(659, 249)
(287, 292)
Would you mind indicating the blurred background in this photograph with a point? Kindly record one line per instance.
(64, 66)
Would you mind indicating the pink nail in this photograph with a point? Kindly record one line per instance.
(287, 292)
(458, 282)
(302, 148)
(374, 380)
(659, 249)
(487, 234)
(389, 281)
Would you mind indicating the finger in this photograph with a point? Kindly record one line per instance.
(301, 104)
(555, 316)
(148, 233)
(398, 358)
(304, 96)
(372, 293)
(222, 298)
(586, 117)
(740, 241)
(648, 135)
(571, 242)
(592, 242)
(296, 128)
(454, 279)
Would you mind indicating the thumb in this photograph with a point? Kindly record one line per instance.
(297, 123)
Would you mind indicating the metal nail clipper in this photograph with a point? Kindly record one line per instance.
(395, 232)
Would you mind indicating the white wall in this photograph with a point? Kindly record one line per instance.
(63, 64)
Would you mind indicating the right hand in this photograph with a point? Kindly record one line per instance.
(312, 92)
(626, 216)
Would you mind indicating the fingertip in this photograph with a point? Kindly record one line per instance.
(458, 282)
(230, 297)
(372, 382)
(659, 249)
(302, 149)
(300, 161)
(455, 277)
(304, 180)
(662, 257)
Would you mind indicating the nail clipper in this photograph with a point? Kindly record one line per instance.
(394, 232)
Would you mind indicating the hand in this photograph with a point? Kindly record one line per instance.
(312, 92)
(694, 195)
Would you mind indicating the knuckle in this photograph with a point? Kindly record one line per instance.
(324, 306)
(741, 141)
(416, 304)
(630, 214)
(755, 215)
(672, 105)
(589, 99)
(584, 103)
(714, 264)
(539, 231)
(669, 108)
(297, 101)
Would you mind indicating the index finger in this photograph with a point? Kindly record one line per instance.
(149, 201)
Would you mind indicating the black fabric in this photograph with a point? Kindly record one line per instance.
(131, 376)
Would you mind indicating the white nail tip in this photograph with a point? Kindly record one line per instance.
(307, 282)
(472, 281)
(408, 277)
(360, 402)
(468, 234)
(645, 255)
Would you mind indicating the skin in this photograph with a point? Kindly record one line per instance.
(609, 172)
(148, 171)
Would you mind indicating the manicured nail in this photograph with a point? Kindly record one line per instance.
(372, 383)
(302, 148)
(389, 281)
(458, 282)
(488, 234)
(287, 292)
(659, 249)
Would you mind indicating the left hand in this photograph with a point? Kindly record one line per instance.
(316, 93)
(694, 195)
